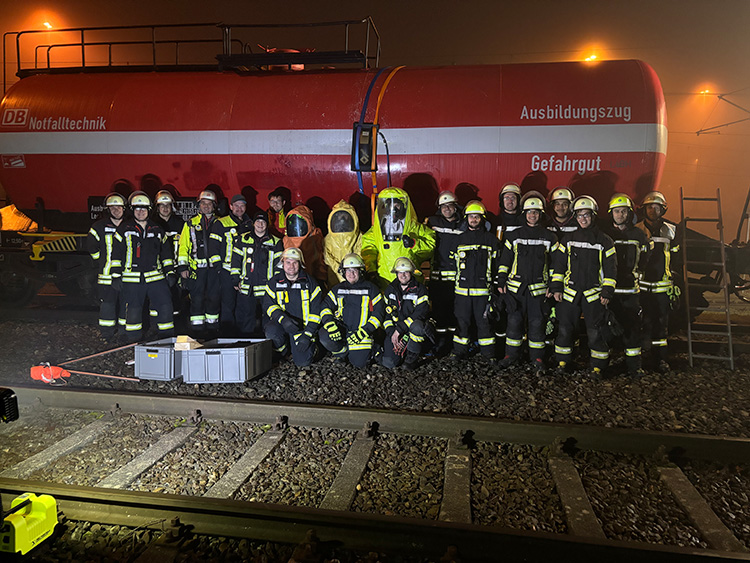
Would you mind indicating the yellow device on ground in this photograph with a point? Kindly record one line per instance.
(30, 520)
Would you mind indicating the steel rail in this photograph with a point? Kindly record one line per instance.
(585, 437)
(349, 530)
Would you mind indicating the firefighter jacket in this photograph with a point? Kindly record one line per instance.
(568, 226)
(343, 238)
(632, 247)
(172, 227)
(277, 222)
(142, 254)
(584, 262)
(379, 254)
(657, 273)
(476, 259)
(194, 251)
(404, 306)
(446, 233)
(253, 261)
(310, 242)
(509, 222)
(301, 300)
(100, 243)
(222, 236)
(355, 305)
(525, 259)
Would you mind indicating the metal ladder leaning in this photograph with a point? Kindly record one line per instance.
(708, 257)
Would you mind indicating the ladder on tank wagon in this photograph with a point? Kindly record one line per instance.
(703, 252)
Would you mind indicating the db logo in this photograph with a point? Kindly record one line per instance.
(15, 117)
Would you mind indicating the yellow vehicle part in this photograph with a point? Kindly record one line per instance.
(25, 529)
(52, 242)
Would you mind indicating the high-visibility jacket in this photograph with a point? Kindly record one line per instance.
(224, 232)
(509, 222)
(476, 262)
(301, 299)
(173, 227)
(404, 306)
(569, 225)
(142, 254)
(585, 261)
(254, 261)
(632, 247)
(100, 243)
(355, 305)
(525, 259)
(443, 265)
(194, 250)
(379, 255)
(657, 273)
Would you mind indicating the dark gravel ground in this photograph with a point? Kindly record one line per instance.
(707, 399)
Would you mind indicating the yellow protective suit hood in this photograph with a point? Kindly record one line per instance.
(395, 232)
(303, 234)
(343, 238)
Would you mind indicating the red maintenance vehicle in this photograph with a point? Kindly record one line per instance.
(142, 112)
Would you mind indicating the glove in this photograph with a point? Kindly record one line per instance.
(303, 339)
(357, 337)
(334, 332)
(117, 284)
(290, 325)
(171, 279)
(408, 241)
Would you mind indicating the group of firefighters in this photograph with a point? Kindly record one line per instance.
(528, 280)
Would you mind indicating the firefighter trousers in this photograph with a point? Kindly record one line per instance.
(627, 310)
(302, 347)
(470, 311)
(655, 324)
(568, 314)
(441, 296)
(205, 300)
(227, 318)
(528, 311)
(358, 354)
(414, 344)
(247, 313)
(109, 303)
(160, 300)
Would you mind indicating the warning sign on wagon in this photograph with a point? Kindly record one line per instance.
(13, 161)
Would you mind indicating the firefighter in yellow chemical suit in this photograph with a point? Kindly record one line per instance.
(302, 233)
(395, 232)
(343, 238)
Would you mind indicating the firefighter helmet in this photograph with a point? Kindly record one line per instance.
(620, 200)
(561, 192)
(139, 199)
(403, 264)
(114, 199)
(164, 196)
(655, 197)
(510, 189)
(291, 253)
(585, 202)
(445, 198)
(533, 203)
(352, 260)
(207, 194)
(475, 207)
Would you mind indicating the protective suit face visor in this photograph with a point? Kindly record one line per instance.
(296, 226)
(342, 222)
(392, 214)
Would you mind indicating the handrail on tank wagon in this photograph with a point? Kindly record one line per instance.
(225, 39)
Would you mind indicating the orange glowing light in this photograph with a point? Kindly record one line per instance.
(706, 91)
(47, 25)
(590, 58)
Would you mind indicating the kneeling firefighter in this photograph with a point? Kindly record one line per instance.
(395, 232)
(302, 233)
(343, 238)
(407, 307)
(352, 312)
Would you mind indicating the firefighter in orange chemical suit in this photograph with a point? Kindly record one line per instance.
(302, 233)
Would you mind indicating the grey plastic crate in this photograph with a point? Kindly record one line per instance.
(226, 360)
(158, 360)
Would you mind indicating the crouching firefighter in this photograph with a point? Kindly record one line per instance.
(585, 269)
(146, 269)
(407, 307)
(476, 257)
(293, 302)
(523, 276)
(632, 247)
(352, 312)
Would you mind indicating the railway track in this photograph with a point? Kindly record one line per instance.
(344, 508)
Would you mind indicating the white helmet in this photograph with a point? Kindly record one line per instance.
(164, 196)
(207, 194)
(403, 264)
(445, 198)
